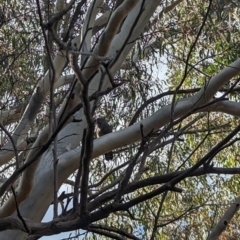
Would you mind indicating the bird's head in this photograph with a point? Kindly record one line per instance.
(100, 121)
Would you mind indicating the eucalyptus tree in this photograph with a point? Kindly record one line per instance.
(164, 75)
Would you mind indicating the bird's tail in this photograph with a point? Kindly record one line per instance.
(109, 156)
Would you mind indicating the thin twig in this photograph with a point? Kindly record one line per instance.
(18, 212)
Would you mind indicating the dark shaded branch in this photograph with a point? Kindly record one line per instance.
(105, 233)
(13, 144)
(18, 211)
(79, 174)
(160, 180)
(88, 140)
(108, 174)
(156, 218)
(73, 20)
(129, 170)
(116, 230)
(44, 147)
(58, 16)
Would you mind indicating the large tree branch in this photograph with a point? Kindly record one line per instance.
(163, 116)
(52, 227)
(225, 220)
(31, 111)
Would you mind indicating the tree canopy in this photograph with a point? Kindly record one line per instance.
(165, 77)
